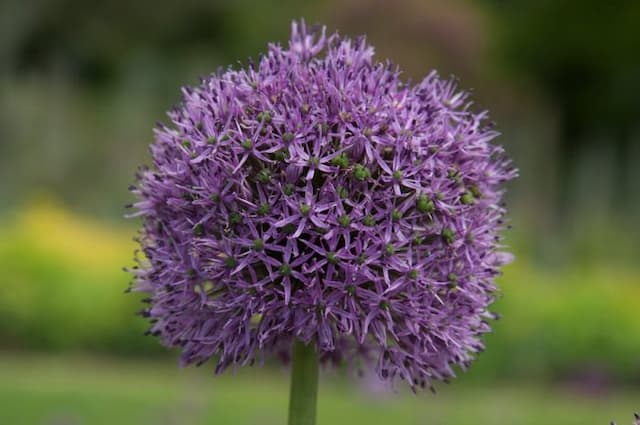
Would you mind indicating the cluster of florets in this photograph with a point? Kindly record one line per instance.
(315, 196)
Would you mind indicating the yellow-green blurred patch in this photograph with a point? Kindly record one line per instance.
(62, 289)
(62, 283)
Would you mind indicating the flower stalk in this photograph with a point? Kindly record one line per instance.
(304, 385)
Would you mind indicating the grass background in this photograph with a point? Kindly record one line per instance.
(80, 390)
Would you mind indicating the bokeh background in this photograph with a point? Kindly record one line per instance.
(81, 86)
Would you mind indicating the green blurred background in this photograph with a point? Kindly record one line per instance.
(81, 86)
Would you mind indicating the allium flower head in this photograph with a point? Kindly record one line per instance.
(316, 196)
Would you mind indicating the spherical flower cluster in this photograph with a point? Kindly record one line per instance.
(316, 196)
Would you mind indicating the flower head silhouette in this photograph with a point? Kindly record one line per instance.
(314, 195)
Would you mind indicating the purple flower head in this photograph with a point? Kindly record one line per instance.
(316, 196)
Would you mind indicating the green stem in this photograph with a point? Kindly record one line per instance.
(304, 385)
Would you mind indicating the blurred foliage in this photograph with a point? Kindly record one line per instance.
(580, 55)
(62, 285)
(576, 323)
(73, 390)
(116, 31)
(63, 288)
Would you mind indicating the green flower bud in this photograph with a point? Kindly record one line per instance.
(390, 249)
(361, 172)
(285, 269)
(264, 209)
(454, 175)
(230, 262)
(475, 191)
(281, 155)
(235, 218)
(332, 258)
(305, 209)
(448, 235)
(467, 198)
(247, 144)
(287, 137)
(369, 221)
(341, 161)
(265, 116)
(198, 230)
(344, 220)
(288, 189)
(287, 229)
(264, 176)
(424, 204)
